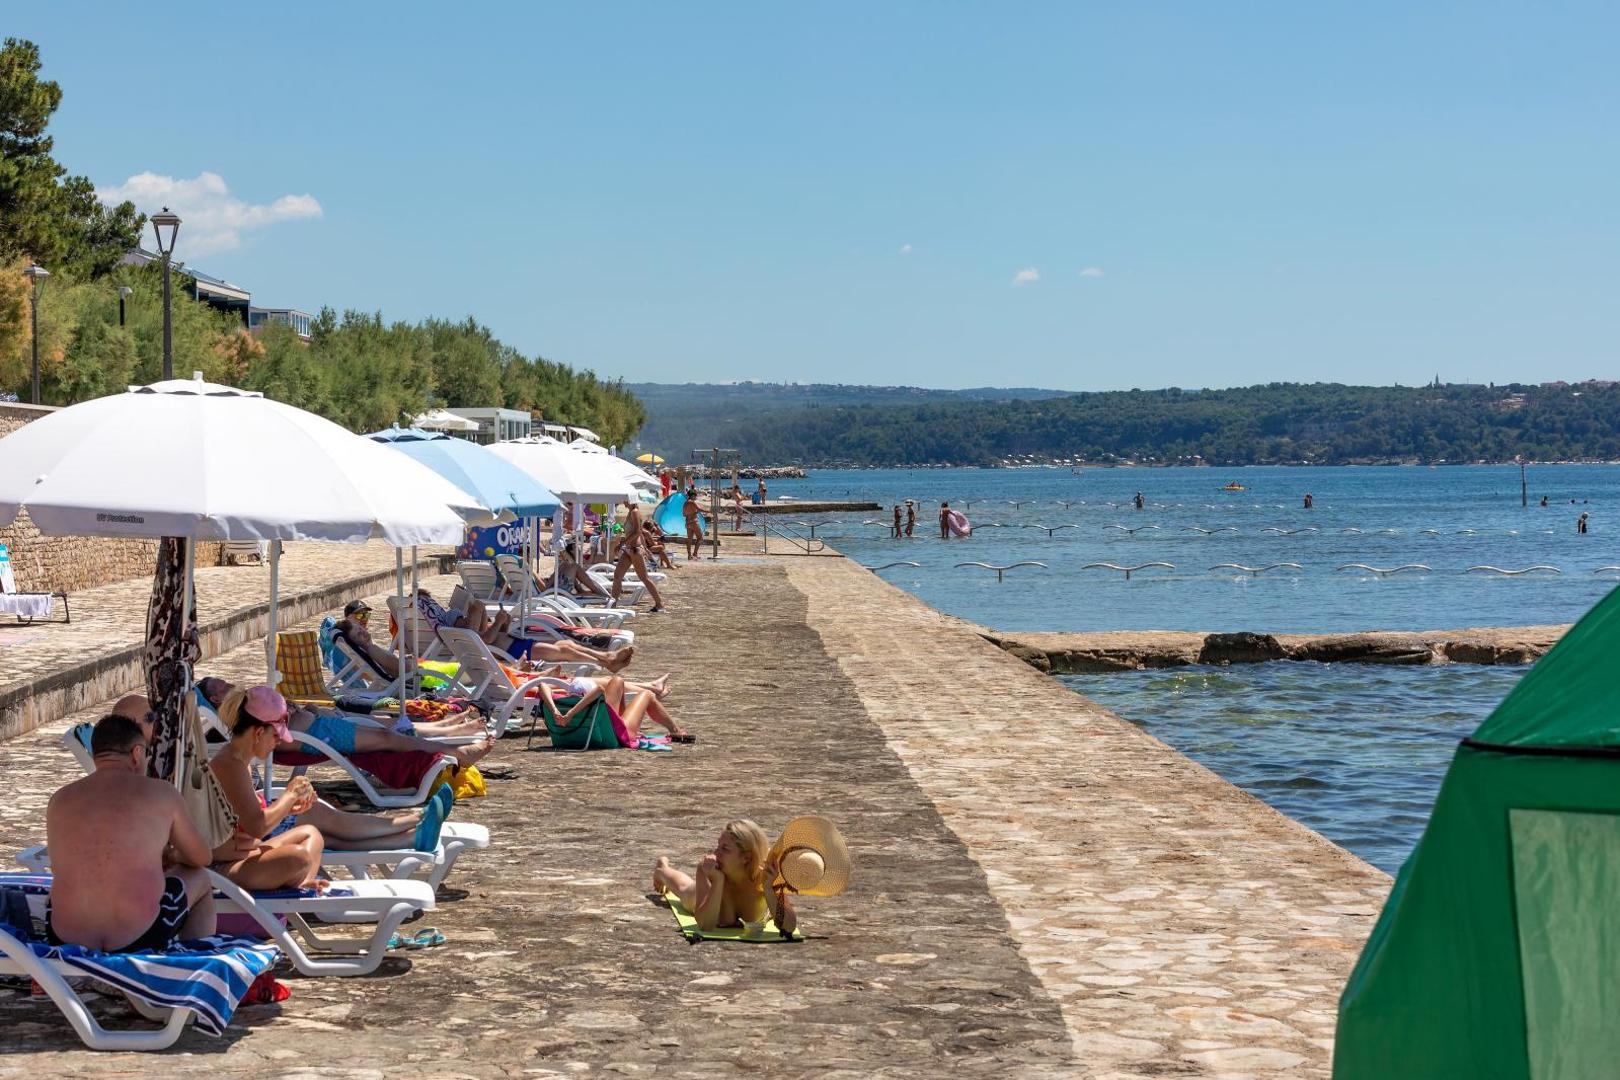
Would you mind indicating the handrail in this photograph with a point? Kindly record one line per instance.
(765, 527)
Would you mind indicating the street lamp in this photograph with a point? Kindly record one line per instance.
(123, 294)
(169, 222)
(36, 275)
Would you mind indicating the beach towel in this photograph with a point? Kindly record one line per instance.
(689, 929)
(208, 976)
(391, 768)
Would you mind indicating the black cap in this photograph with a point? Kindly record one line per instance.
(355, 606)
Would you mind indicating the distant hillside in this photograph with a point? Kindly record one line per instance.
(1280, 423)
(682, 417)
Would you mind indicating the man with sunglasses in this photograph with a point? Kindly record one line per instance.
(128, 865)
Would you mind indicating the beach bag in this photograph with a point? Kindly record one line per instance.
(205, 800)
(590, 730)
(467, 783)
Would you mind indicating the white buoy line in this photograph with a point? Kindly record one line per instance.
(891, 565)
(1513, 573)
(1384, 571)
(1126, 570)
(1001, 570)
(1253, 570)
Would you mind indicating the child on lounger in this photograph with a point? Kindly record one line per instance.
(729, 887)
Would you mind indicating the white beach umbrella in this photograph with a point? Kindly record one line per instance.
(191, 459)
(444, 420)
(584, 478)
(182, 461)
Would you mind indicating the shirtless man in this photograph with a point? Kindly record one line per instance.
(630, 556)
(127, 863)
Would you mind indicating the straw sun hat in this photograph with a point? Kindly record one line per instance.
(812, 858)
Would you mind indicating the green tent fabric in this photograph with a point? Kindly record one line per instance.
(1498, 951)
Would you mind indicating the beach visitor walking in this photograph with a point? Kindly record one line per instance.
(911, 518)
(1139, 501)
(694, 528)
(632, 557)
(896, 533)
(944, 521)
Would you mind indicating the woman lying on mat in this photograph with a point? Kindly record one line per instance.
(729, 887)
(286, 822)
(633, 703)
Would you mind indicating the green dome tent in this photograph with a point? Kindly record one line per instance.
(1498, 951)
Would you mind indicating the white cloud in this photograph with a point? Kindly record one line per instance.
(1092, 271)
(212, 219)
(1027, 276)
(905, 249)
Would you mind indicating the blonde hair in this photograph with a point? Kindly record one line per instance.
(754, 843)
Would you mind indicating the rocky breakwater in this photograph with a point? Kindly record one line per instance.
(1130, 650)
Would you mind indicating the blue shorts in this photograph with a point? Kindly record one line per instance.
(338, 734)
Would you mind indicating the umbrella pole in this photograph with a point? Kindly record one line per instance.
(607, 531)
(415, 676)
(272, 677)
(399, 591)
(188, 619)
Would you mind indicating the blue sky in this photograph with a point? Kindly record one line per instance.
(1079, 196)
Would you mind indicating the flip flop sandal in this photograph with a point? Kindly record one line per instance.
(426, 938)
(684, 737)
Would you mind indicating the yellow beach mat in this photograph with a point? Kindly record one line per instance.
(689, 927)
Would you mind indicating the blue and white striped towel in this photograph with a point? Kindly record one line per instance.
(208, 976)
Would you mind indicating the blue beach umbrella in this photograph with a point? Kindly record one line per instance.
(493, 481)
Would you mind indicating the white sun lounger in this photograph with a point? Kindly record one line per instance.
(382, 905)
(456, 838)
(491, 688)
(17, 959)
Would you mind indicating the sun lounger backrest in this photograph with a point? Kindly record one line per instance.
(298, 659)
(482, 580)
(480, 672)
(361, 663)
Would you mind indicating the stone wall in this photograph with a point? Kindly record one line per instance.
(71, 563)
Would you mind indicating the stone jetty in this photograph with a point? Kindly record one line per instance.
(1131, 650)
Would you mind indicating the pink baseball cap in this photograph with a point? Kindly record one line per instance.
(268, 707)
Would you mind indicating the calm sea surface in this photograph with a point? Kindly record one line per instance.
(1354, 751)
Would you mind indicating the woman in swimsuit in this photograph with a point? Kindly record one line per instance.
(289, 819)
(730, 885)
(633, 703)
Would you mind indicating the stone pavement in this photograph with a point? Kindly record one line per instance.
(1181, 925)
(1040, 889)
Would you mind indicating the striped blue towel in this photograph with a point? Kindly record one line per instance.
(208, 976)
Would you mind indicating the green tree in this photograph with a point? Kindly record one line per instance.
(45, 215)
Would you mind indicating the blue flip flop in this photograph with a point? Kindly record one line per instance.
(434, 812)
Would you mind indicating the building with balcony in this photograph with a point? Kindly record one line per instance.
(298, 320)
(496, 425)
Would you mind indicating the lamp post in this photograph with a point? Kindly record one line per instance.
(169, 222)
(123, 294)
(36, 275)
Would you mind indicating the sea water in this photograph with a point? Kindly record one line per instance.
(1354, 751)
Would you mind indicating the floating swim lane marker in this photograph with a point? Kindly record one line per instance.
(1208, 532)
(1051, 530)
(1133, 532)
(889, 565)
(1126, 570)
(1292, 532)
(1253, 570)
(1381, 571)
(1000, 570)
(1513, 573)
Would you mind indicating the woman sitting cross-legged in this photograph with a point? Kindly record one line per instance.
(631, 702)
(277, 841)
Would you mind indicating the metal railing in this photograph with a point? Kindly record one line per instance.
(765, 528)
